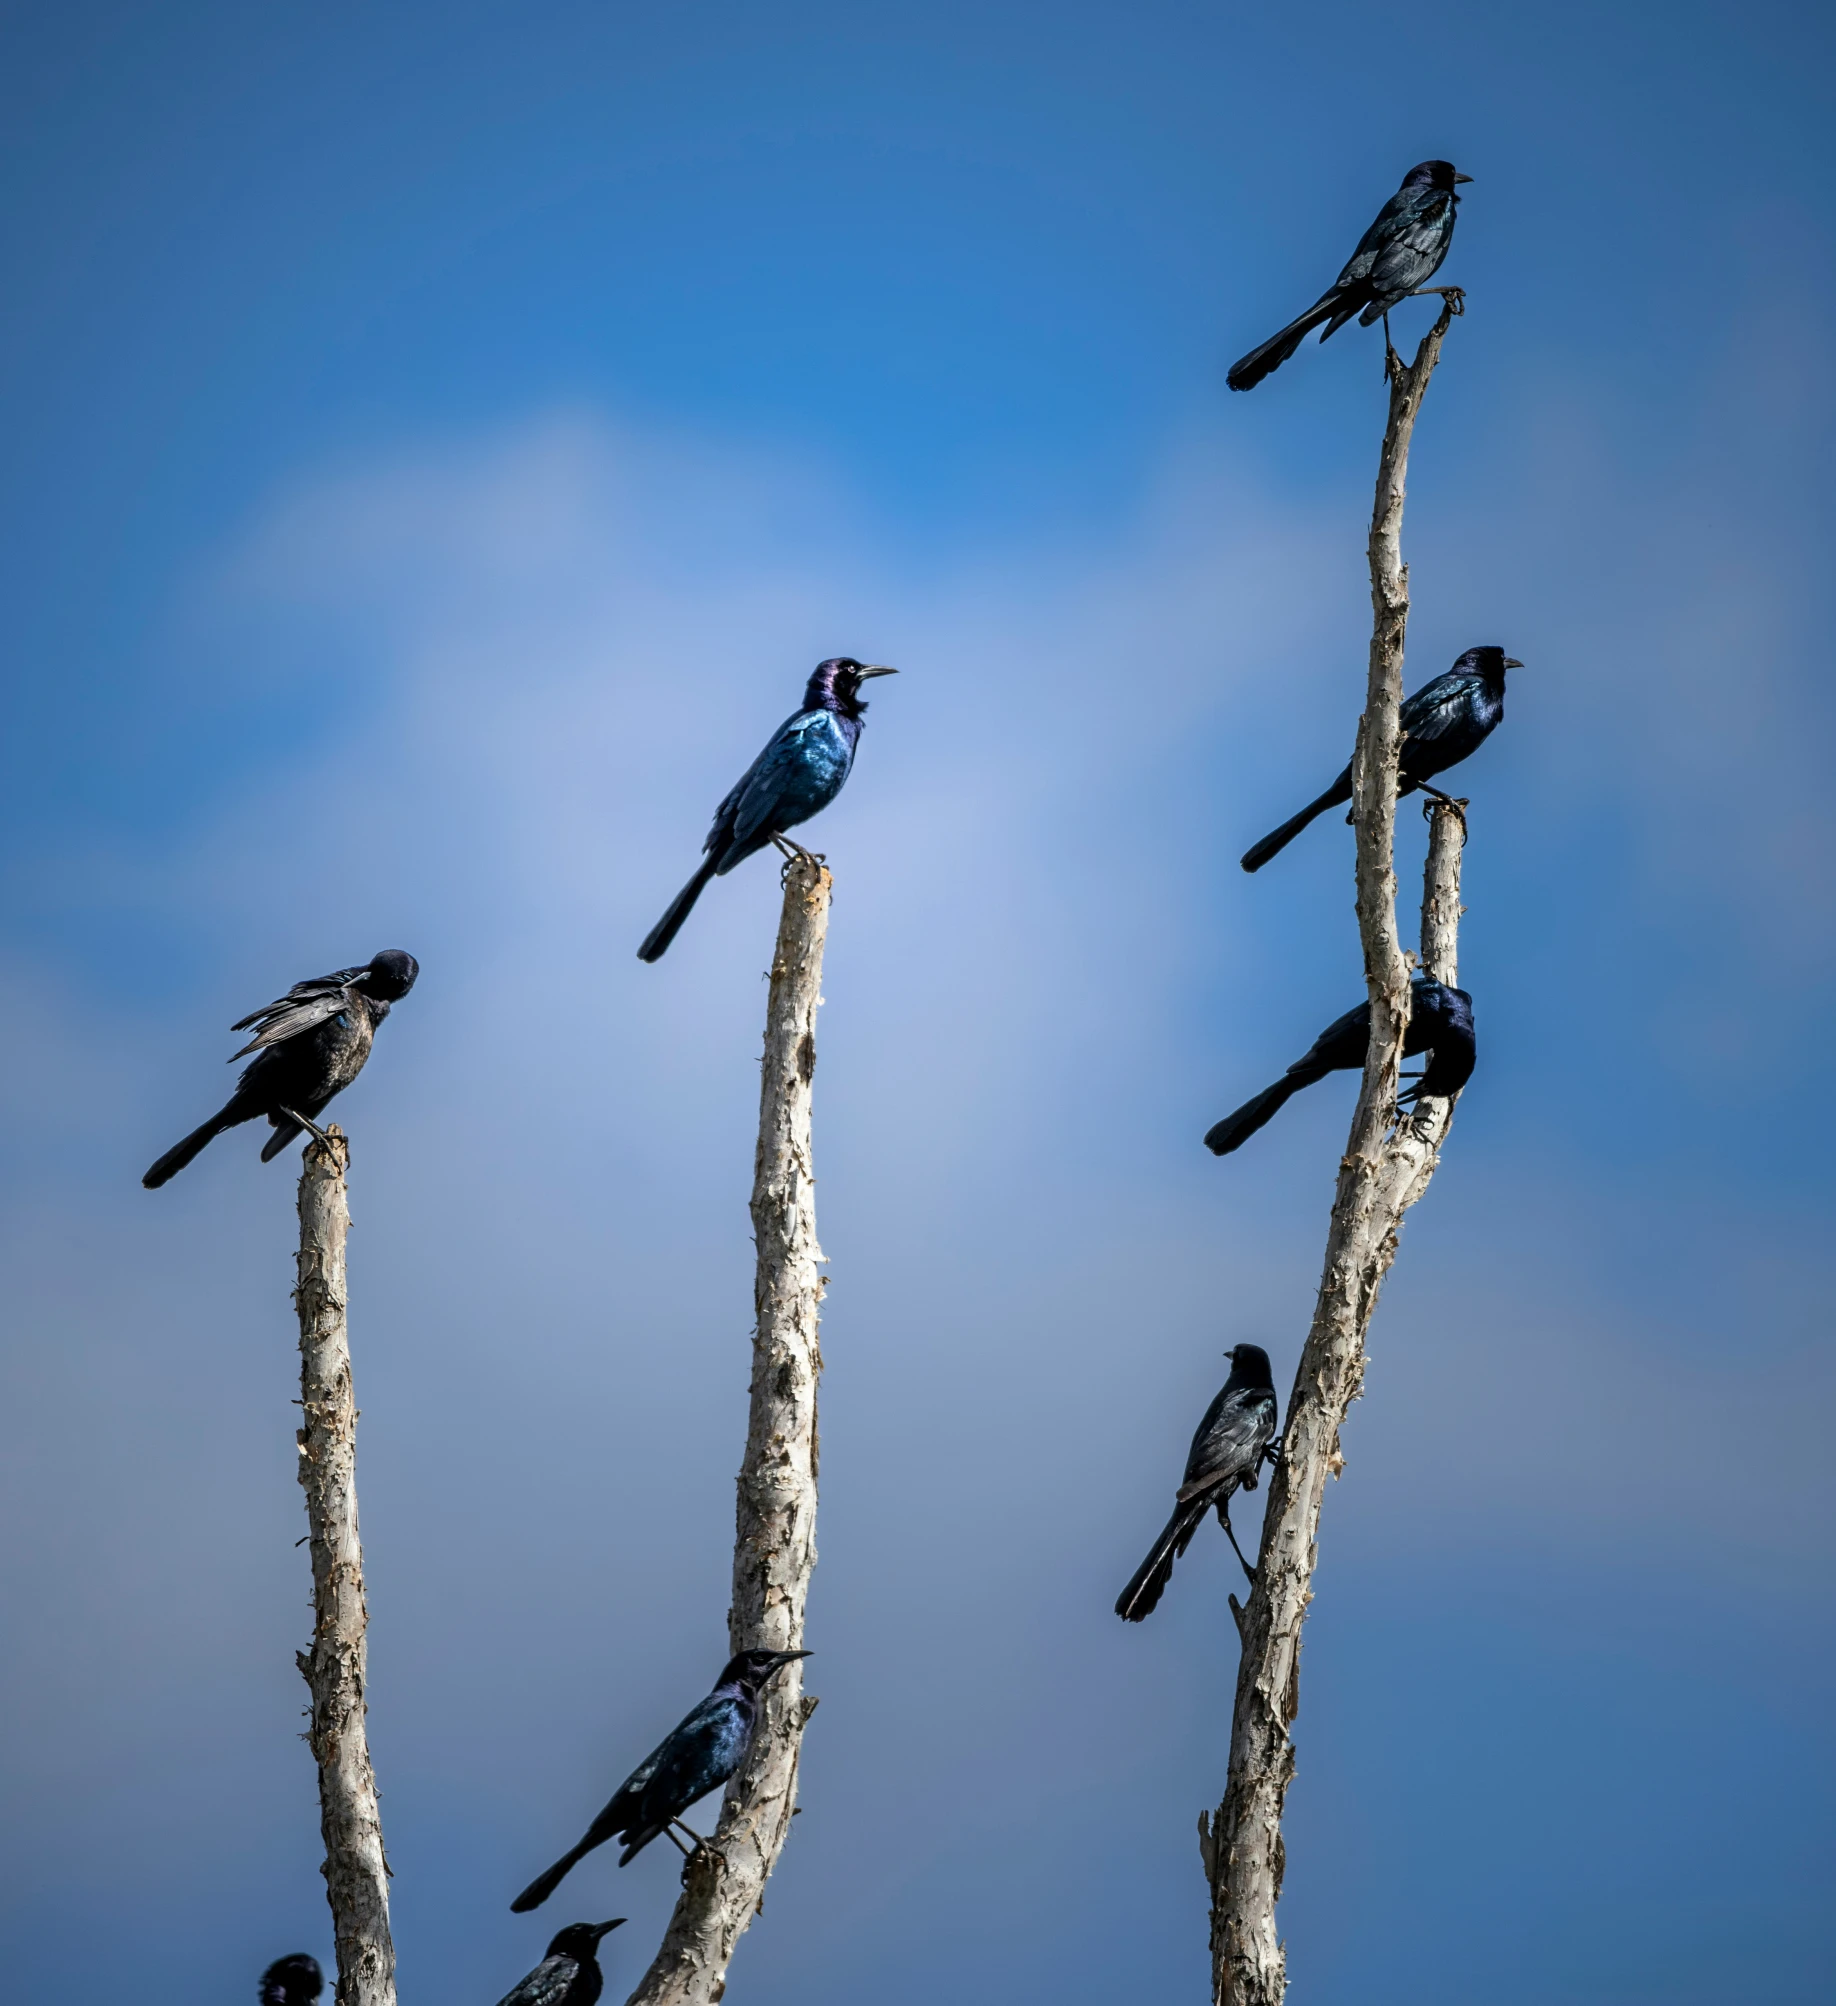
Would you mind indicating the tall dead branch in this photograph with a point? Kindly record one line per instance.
(774, 1549)
(356, 1873)
(1386, 1167)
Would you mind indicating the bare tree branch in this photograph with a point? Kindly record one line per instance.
(1386, 1167)
(356, 1873)
(774, 1551)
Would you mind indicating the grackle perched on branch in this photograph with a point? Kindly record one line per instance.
(1396, 256)
(569, 1973)
(1440, 1023)
(797, 775)
(1444, 722)
(699, 1754)
(310, 1045)
(1228, 1450)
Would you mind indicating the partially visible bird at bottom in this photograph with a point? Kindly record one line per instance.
(1440, 1023)
(310, 1045)
(569, 1973)
(798, 774)
(700, 1753)
(1445, 721)
(1396, 256)
(1228, 1450)
(292, 1981)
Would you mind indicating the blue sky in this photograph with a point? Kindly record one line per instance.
(439, 442)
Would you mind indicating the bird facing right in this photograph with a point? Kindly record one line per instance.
(1440, 1023)
(569, 1973)
(699, 1754)
(1396, 256)
(1230, 1447)
(292, 1981)
(309, 1045)
(1445, 721)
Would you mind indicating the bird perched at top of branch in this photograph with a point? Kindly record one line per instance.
(310, 1045)
(1228, 1450)
(797, 775)
(292, 1981)
(569, 1973)
(699, 1754)
(1444, 722)
(1396, 256)
(1440, 1023)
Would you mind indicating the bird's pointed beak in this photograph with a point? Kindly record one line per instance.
(874, 669)
(1511, 662)
(1462, 177)
(605, 1928)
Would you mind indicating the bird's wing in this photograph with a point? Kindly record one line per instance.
(1437, 708)
(1415, 242)
(1343, 1043)
(546, 1985)
(1395, 216)
(702, 1753)
(805, 762)
(1236, 1429)
(305, 1005)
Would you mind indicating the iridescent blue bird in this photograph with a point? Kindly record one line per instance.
(569, 1973)
(1396, 256)
(699, 1754)
(1440, 1024)
(797, 775)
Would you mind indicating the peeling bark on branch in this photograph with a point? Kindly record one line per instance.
(1385, 1169)
(356, 1873)
(774, 1550)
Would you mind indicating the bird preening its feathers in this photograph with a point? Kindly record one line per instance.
(1440, 1023)
(1396, 256)
(292, 1981)
(309, 1045)
(569, 1973)
(699, 1754)
(798, 774)
(1229, 1448)
(1444, 722)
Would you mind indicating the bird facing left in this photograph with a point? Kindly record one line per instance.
(310, 1045)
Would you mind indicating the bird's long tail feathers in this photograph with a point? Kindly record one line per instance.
(286, 1132)
(1278, 840)
(176, 1158)
(544, 1885)
(1264, 361)
(657, 940)
(1236, 1129)
(1142, 1595)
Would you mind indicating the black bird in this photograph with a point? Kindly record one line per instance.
(797, 775)
(1395, 257)
(1440, 1023)
(311, 1044)
(292, 1981)
(1444, 722)
(569, 1973)
(699, 1754)
(1226, 1454)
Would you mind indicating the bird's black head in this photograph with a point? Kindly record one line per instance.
(836, 685)
(292, 1981)
(751, 1669)
(1488, 662)
(390, 975)
(1249, 1365)
(1434, 174)
(580, 1940)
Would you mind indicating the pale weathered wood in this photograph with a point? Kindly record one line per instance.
(1386, 1167)
(356, 1873)
(723, 1886)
